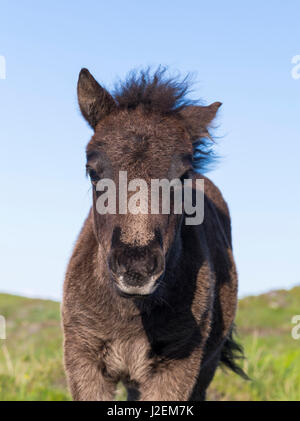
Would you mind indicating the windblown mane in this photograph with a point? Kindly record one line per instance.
(157, 92)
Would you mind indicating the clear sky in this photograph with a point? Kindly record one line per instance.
(241, 54)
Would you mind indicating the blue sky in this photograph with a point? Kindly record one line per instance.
(241, 54)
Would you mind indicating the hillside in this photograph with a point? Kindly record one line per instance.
(31, 356)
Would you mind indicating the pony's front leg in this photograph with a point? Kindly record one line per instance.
(172, 381)
(86, 379)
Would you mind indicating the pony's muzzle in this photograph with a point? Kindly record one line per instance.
(136, 270)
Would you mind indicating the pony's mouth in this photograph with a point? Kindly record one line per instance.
(143, 291)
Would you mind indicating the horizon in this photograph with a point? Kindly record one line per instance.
(240, 297)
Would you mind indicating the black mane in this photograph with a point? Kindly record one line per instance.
(155, 91)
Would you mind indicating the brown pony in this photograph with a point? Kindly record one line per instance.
(149, 300)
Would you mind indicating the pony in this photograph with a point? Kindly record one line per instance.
(149, 300)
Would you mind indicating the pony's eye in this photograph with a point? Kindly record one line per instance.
(93, 176)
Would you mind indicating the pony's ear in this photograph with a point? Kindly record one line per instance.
(198, 118)
(94, 101)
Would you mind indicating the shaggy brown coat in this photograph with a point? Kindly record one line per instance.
(166, 345)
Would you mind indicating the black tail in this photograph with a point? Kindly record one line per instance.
(231, 353)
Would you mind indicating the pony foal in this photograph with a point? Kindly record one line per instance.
(148, 299)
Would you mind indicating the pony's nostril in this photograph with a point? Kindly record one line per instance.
(151, 265)
(115, 263)
(155, 264)
(112, 263)
(119, 263)
(159, 267)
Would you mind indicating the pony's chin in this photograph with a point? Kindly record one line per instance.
(135, 292)
(145, 291)
(132, 296)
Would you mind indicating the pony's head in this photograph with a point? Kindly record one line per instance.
(145, 130)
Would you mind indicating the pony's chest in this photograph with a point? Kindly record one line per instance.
(127, 357)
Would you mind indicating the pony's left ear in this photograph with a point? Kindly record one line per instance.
(198, 118)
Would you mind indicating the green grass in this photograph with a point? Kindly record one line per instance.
(31, 357)
(273, 356)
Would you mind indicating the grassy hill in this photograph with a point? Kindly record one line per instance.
(31, 356)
